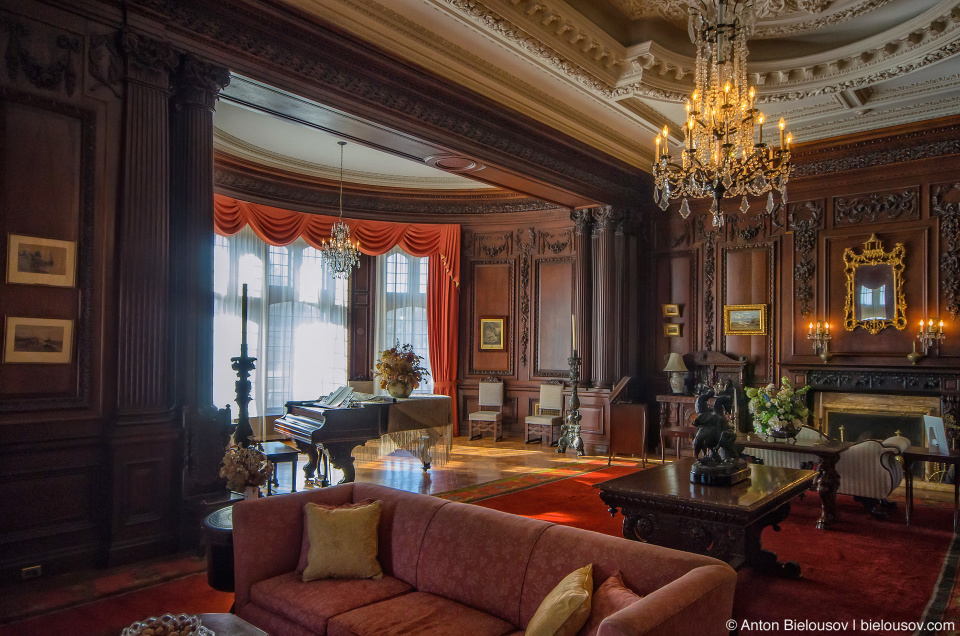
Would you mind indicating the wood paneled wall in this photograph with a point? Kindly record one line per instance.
(901, 184)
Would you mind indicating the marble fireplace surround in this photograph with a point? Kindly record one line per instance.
(879, 391)
(855, 416)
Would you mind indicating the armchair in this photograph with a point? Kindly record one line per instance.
(869, 471)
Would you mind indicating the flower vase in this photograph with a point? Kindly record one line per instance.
(400, 389)
(251, 492)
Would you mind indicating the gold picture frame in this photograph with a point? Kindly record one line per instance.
(493, 333)
(875, 298)
(671, 311)
(745, 320)
(33, 260)
(671, 330)
(38, 341)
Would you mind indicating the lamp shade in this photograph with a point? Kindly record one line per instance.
(675, 363)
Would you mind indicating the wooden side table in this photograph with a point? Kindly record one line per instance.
(921, 454)
(218, 535)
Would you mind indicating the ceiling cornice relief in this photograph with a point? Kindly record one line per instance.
(776, 18)
(378, 23)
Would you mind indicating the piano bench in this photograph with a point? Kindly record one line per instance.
(278, 452)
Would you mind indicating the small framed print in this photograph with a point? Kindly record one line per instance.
(41, 261)
(671, 311)
(671, 330)
(38, 340)
(493, 333)
(745, 320)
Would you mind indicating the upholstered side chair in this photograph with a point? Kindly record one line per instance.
(786, 459)
(487, 419)
(545, 424)
(870, 470)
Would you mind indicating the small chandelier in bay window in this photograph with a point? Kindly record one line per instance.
(339, 253)
(723, 156)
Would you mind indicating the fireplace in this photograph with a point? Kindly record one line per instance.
(858, 416)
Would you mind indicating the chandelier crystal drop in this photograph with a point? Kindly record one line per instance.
(723, 153)
(340, 254)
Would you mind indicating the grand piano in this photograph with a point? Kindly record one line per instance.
(421, 425)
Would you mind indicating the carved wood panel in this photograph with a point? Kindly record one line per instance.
(492, 294)
(551, 318)
(748, 278)
(902, 205)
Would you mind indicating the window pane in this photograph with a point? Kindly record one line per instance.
(401, 306)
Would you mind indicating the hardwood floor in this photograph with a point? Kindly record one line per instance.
(471, 463)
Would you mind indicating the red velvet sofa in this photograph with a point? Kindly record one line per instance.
(460, 569)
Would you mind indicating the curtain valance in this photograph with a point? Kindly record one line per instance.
(277, 226)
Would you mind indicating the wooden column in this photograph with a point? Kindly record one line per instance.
(605, 336)
(583, 291)
(143, 440)
(205, 428)
(617, 319)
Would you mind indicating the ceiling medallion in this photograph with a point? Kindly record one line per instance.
(720, 156)
(339, 253)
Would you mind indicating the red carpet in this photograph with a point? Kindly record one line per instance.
(862, 570)
(109, 616)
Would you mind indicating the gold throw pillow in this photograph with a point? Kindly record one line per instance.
(343, 542)
(566, 608)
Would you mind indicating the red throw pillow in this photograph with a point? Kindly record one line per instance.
(305, 541)
(611, 597)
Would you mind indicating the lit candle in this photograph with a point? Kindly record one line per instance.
(657, 155)
(782, 125)
(760, 121)
(827, 325)
(810, 330)
(752, 94)
(789, 139)
(243, 320)
(941, 326)
(573, 332)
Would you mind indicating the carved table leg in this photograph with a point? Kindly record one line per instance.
(764, 560)
(829, 484)
(341, 457)
(424, 452)
(908, 477)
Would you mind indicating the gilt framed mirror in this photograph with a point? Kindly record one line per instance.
(875, 298)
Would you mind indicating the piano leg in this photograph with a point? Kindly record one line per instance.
(313, 460)
(341, 458)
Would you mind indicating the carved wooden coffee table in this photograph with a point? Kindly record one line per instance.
(661, 506)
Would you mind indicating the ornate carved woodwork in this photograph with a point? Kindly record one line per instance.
(948, 211)
(583, 290)
(554, 242)
(606, 221)
(873, 208)
(746, 261)
(23, 56)
(552, 300)
(104, 62)
(492, 245)
(804, 219)
(492, 293)
(709, 238)
(525, 249)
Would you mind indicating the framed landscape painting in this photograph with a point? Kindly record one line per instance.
(38, 340)
(745, 320)
(41, 261)
(671, 330)
(492, 333)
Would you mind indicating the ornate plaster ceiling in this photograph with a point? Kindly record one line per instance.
(613, 72)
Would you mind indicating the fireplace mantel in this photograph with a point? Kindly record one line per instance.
(939, 382)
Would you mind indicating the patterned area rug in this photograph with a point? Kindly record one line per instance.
(532, 479)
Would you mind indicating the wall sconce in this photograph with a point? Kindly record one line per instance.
(821, 339)
(928, 336)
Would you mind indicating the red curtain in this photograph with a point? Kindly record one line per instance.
(441, 243)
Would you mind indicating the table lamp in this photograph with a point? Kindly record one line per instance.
(678, 378)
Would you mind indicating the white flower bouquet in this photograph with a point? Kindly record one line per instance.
(778, 413)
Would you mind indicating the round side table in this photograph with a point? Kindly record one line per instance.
(218, 534)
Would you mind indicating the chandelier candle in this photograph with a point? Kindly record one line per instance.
(720, 157)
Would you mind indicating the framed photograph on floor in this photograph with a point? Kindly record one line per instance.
(40, 261)
(38, 340)
(493, 333)
(745, 320)
(671, 330)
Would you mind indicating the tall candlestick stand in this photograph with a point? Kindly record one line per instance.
(570, 431)
(243, 365)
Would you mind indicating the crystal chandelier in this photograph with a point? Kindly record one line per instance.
(339, 253)
(721, 156)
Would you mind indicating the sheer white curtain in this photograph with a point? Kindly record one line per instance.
(401, 306)
(296, 328)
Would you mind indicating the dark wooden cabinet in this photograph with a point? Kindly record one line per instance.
(628, 430)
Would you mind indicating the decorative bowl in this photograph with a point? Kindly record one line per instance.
(168, 625)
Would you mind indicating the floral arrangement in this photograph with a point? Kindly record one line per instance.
(400, 364)
(244, 467)
(777, 411)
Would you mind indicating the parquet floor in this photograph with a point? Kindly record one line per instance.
(471, 463)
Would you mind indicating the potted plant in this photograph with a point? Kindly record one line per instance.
(400, 370)
(778, 413)
(246, 469)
